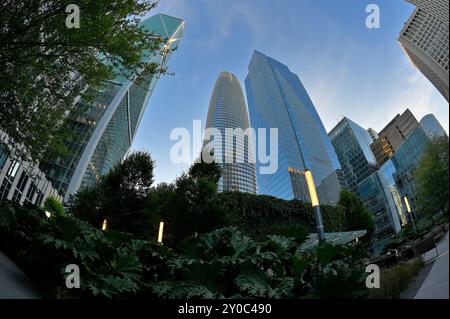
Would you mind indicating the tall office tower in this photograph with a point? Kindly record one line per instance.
(392, 136)
(352, 145)
(374, 193)
(373, 134)
(277, 99)
(431, 126)
(227, 112)
(424, 38)
(105, 131)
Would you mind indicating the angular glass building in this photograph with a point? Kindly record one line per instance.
(387, 172)
(104, 132)
(352, 145)
(375, 188)
(277, 99)
(405, 161)
(228, 111)
(374, 193)
(432, 127)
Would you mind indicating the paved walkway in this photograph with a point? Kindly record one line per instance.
(14, 284)
(436, 284)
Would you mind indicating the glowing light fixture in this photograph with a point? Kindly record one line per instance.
(104, 225)
(408, 208)
(160, 232)
(311, 188)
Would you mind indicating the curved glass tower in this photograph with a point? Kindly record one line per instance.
(227, 112)
(105, 131)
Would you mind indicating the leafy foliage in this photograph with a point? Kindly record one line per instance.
(432, 177)
(357, 216)
(120, 197)
(224, 263)
(408, 234)
(395, 280)
(46, 65)
(52, 205)
(261, 215)
(111, 264)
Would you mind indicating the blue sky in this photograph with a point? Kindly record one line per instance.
(347, 69)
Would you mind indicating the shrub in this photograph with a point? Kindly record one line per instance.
(53, 206)
(395, 280)
(112, 264)
(228, 264)
(222, 263)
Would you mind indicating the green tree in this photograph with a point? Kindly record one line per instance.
(86, 204)
(53, 206)
(193, 205)
(431, 177)
(120, 197)
(357, 217)
(46, 65)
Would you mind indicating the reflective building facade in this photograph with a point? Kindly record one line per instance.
(405, 161)
(277, 99)
(388, 171)
(228, 111)
(374, 193)
(104, 132)
(352, 145)
(431, 126)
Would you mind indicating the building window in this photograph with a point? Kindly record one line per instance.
(20, 186)
(39, 198)
(4, 189)
(4, 153)
(30, 193)
(12, 171)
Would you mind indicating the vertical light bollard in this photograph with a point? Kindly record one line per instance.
(315, 205)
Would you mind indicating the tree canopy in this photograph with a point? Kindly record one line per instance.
(46, 65)
(120, 196)
(357, 216)
(431, 177)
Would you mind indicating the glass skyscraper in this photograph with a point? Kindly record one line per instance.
(388, 172)
(277, 99)
(374, 193)
(228, 111)
(105, 130)
(405, 161)
(431, 126)
(352, 145)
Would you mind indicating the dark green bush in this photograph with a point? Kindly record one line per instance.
(227, 264)
(112, 264)
(223, 263)
(395, 280)
(53, 206)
